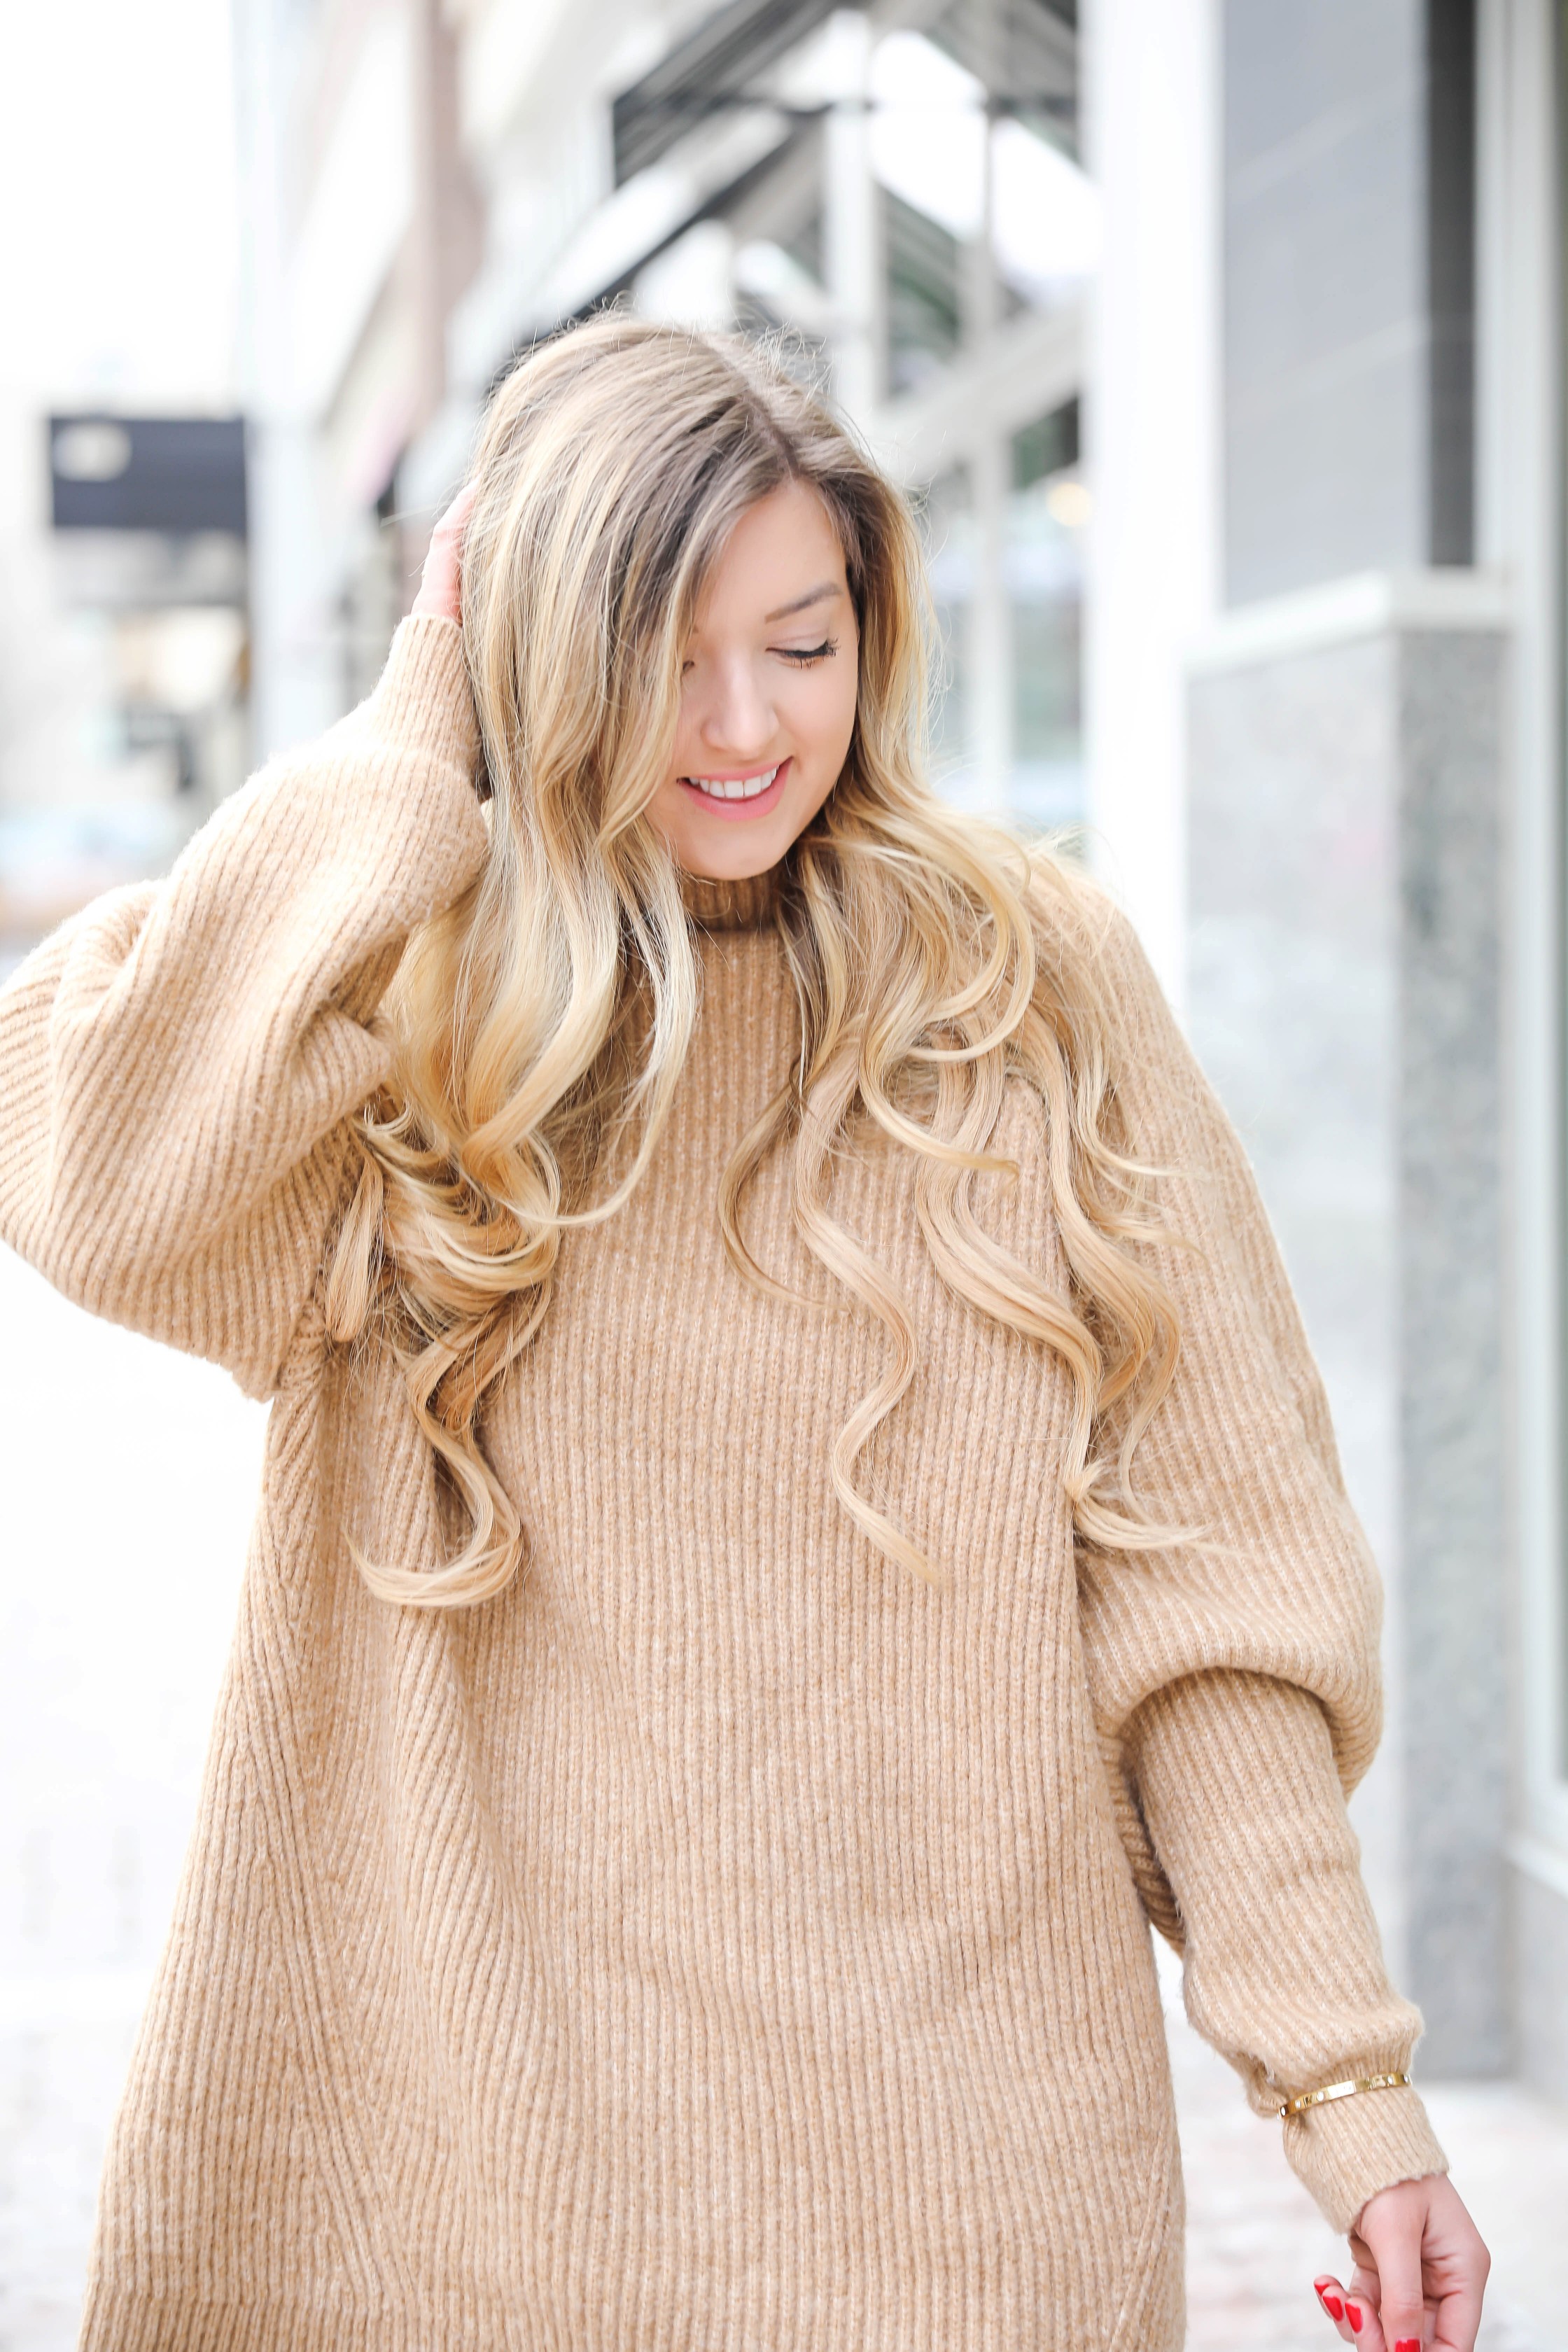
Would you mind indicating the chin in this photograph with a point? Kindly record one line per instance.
(734, 853)
(718, 849)
(740, 865)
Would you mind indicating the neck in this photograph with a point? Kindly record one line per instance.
(743, 906)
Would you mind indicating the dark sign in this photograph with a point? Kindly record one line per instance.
(176, 475)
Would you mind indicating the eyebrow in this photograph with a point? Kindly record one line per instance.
(811, 596)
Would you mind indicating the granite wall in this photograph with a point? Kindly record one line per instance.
(1344, 996)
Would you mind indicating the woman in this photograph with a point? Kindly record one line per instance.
(797, 1512)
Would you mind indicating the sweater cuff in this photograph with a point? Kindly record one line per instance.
(1345, 2152)
(422, 701)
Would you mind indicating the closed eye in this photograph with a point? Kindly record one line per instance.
(806, 654)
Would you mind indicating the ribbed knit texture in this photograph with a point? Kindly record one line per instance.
(720, 1940)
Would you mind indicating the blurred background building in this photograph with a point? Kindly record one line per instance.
(898, 195)
(1220, 342)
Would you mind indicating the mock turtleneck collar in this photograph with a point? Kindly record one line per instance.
(745, 906)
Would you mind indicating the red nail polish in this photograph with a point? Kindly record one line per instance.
(1353, 2313)
(1408, 2344)
(1334, 2306)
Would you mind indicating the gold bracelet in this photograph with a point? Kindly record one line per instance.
(1343, 2091)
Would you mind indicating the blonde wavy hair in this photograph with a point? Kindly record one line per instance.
(541, 1024)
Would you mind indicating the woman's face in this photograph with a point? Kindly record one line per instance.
(767, 692)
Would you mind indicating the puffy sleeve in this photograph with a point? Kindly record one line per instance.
(1234, 1679)
(179, 1065)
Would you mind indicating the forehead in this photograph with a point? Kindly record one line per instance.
(781, 548)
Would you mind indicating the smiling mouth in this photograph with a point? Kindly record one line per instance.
(736, 787)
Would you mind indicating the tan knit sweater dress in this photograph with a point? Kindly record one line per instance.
(720, 1940)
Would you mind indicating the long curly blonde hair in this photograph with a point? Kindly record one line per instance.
(541, 1024)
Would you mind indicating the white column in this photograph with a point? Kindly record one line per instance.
(851, 246)
(296, 673)
(1518, 507)
(1152, 438)
(990, 623)
(990, 648)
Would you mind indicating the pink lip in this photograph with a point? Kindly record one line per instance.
(738, 811)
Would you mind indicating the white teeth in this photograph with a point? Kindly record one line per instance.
(737, 788)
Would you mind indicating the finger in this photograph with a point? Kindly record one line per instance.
(1361, 2318)
(446, 548)
(440, 584)
(1455, 2268)
(1331, 2296)
(1458, 2318)
(1404, 2321)
(449, 523)
(1396, 2242)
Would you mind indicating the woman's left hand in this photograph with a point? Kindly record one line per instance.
(1420, 2272)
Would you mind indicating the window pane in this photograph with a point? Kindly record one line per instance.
(1047, 513)
(924, 322)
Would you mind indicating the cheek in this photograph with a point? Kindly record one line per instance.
(831, 717)
(826, 743)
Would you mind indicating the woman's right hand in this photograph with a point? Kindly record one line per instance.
(440, 588)
(1420, 2272)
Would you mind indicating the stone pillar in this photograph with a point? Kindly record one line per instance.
(1346, 757)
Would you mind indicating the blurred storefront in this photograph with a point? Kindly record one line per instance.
(894, 195)
(143, 575)
(1219, 341)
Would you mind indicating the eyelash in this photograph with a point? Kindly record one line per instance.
(805, 656)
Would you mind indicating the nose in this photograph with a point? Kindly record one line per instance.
(737, 720)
